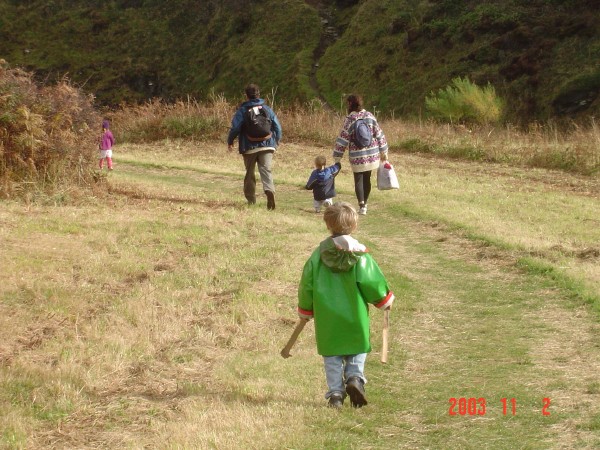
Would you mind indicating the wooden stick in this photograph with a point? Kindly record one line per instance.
(386, 327)
(285, 352)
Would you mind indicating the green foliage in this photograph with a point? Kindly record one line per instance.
(132, 54)
(488, 16)
(578, 93)
(415, 145)
(464, 101)
(466, 151)
(135, 51)
(556, 159)
(511, 45)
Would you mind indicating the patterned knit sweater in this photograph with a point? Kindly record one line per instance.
(366, 158)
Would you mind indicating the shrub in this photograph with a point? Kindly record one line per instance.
(156, 120)
(47, 134)
(464, 101)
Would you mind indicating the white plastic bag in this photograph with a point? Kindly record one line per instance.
(386, 177)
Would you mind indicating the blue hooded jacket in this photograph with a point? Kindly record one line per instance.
(237, 124)
(322, 182)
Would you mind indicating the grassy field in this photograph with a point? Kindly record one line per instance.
(151, 313)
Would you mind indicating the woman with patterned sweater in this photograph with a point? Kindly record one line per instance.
(364, 156)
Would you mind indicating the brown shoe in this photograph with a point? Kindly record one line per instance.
(270, 200)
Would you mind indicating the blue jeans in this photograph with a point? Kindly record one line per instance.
(338, 369)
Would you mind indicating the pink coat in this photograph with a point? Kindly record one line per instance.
(107, 140)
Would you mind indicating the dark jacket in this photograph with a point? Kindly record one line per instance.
(322, 182)
(237, 128)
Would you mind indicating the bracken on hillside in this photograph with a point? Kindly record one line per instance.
(47, 133)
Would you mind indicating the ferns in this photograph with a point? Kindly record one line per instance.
(45, 132)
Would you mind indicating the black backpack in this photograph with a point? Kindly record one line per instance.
(362, 135)
(257, 124)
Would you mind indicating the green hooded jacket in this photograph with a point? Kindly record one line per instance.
(338, 282)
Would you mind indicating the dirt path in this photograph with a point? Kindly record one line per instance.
(329, 35)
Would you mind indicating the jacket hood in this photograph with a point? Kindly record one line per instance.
(341, 253)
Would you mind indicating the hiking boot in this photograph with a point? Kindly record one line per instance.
(355, 389)
(363, 210)
(270, 200)
(336, 401)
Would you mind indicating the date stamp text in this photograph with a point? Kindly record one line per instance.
(478, 406)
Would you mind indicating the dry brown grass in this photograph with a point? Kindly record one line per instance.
(545, 146)
(48, 135)
(156, 120)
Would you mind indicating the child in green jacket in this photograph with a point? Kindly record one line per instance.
(338, 282)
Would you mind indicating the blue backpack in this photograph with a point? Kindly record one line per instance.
(362, 135)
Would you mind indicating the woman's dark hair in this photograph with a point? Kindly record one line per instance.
(252, 91)
(355, 103)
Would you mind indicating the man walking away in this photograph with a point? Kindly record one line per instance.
(258, 131)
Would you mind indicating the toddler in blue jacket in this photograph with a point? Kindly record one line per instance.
(322, 183)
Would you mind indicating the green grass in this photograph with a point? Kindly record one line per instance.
(577, 289)
(153, 313)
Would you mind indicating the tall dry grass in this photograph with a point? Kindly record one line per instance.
(185, 119)
(544, 146)
(576, 149)
(47, 135)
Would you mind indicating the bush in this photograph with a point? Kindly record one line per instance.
(47, 134)
(464, 101)
(156, 120)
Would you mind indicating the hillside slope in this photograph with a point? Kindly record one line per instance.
(542, 56)
(134, 50)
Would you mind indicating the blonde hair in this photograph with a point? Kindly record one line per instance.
(341, 218)
(320, 161)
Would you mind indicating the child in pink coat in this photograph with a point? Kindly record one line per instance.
(106, 142)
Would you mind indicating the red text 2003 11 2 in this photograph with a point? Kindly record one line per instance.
(478, 406)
